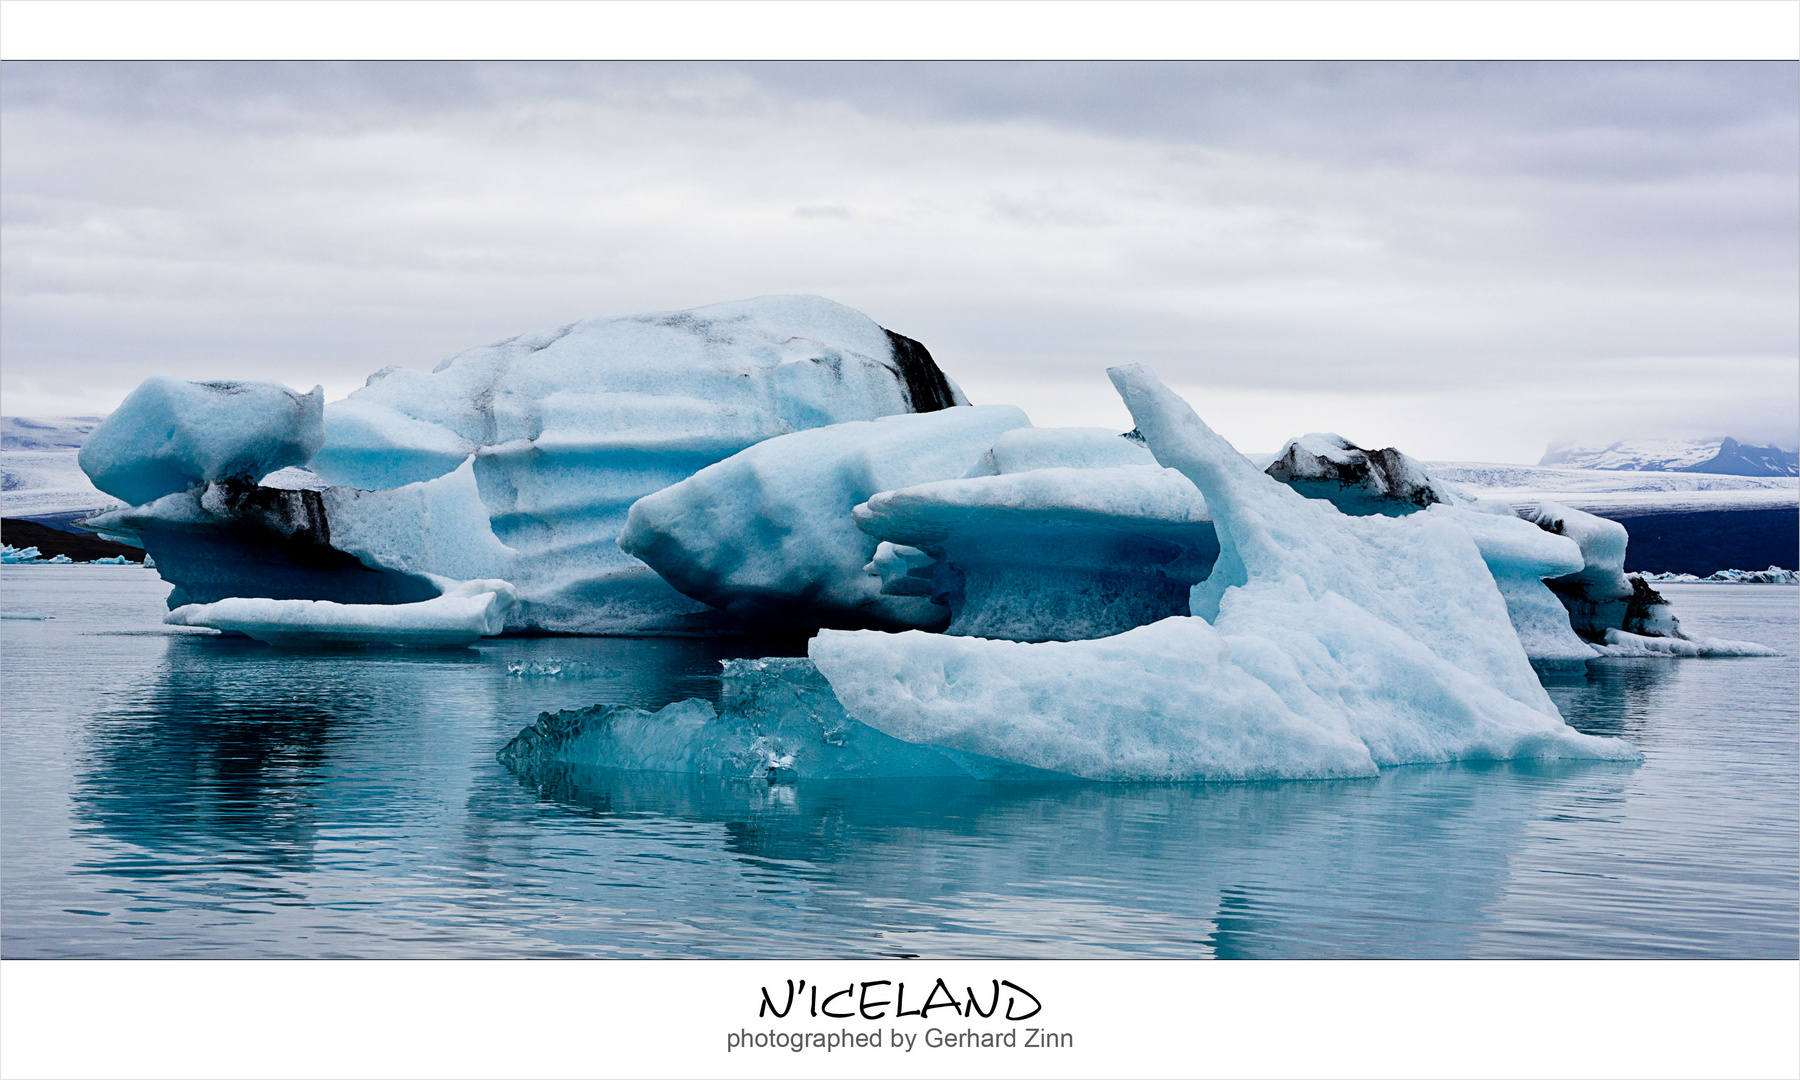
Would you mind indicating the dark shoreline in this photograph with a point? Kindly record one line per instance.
(50, 542)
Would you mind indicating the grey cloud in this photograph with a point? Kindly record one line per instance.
(1344, 228)
(1621, 121)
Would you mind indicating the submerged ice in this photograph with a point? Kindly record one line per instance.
(777, 719)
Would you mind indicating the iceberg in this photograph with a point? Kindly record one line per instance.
(1331, 645)
(571, 426)
(1362, 482)
(170, 435)
(1355, 480)
(463, 613)
(241, 540)
(1048, 534)
(767, 535)
(1620, 643)
(1160, 702)
(1051, 552)
(776, 720)
(516, 461)
(1599, 596)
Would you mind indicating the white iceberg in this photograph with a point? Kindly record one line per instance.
(465, 612)
(514, 461)
(1336, 645)
(171, 435)
(1620, 643)
(1159, 702)
(768, 535)
(1363, 482)
(571, 426)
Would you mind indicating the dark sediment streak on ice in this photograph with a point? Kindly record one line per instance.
(926, 386)
(276, 544)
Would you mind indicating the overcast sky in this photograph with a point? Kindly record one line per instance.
(1463, 261)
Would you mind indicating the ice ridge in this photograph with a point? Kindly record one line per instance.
(1322, 645)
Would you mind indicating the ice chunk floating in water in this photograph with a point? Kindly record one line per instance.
(1332, 645)
(465, 612)
(1621, 643)
(557, 668)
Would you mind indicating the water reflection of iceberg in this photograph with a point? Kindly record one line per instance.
(238, 755)
(365, 787)
(1618, 697)
(235, 754)
(1401, 865)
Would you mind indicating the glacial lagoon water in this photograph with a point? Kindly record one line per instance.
(165, 794)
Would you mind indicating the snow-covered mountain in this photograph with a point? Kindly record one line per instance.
(1724, 456)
